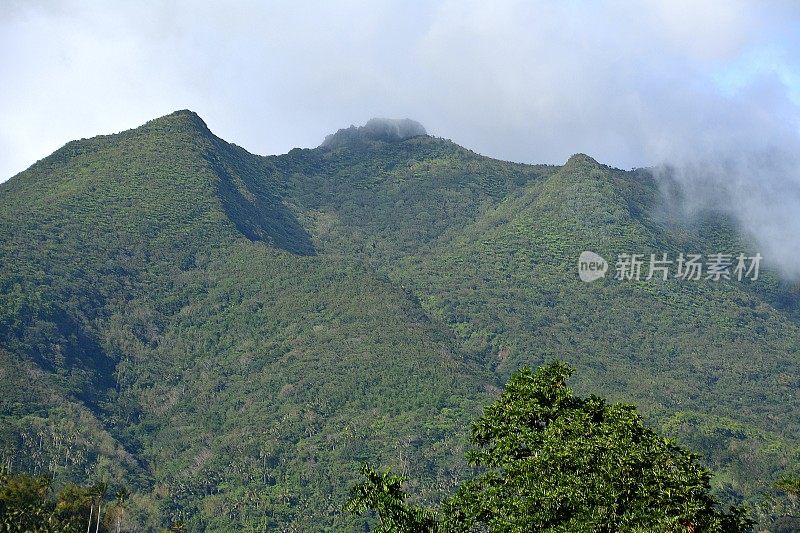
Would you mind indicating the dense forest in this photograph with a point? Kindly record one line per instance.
(551, 461)
(229, 338)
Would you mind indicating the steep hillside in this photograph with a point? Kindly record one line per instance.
(232, 335)
(713, 362)
(182, 336)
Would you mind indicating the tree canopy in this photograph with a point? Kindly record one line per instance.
(549, 460)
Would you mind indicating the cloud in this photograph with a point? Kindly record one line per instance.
(711, 88)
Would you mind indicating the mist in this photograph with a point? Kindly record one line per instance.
(710, 89)
(378, 129)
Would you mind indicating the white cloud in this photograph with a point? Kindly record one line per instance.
(631, 83)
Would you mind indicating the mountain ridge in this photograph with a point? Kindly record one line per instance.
(222, 327)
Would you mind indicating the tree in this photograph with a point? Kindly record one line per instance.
(121, 496)
(99, 490)
(552, 461)
(789, 484)
(784, 505)
(26, 504)
(383, 493)
(72, 505)
(23, 501)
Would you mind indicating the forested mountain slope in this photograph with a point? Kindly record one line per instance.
(182, 335)
(232, 335)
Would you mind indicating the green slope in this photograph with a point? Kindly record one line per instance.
(233, 334)
(181, 329)
(506, 284)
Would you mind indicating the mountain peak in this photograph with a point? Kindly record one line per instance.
(376, 129)
(581, 159)
(182, 118)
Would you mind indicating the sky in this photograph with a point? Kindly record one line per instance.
(711, 88)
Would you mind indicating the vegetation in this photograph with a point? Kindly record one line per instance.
(27, 504)
(231, 336)
(551, 461)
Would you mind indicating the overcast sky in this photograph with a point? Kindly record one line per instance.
(626, 82)
(631, 83)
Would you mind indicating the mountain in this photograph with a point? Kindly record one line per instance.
(376, 129)
(232, 335)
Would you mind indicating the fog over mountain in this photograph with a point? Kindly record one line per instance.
(710, 89)
(199, 323)
(243, 288)
(378, 129)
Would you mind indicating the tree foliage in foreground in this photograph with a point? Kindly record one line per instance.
(27, 503)
(552, 461)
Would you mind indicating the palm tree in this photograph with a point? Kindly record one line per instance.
(91, 512)
(121, 496)
(99, 491)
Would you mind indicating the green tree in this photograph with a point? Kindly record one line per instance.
(789, 484)
(99, 490)
(121, 497)
(552, 461)
(383, 493)
(23, 501)
(784, 505)
(26, 505)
